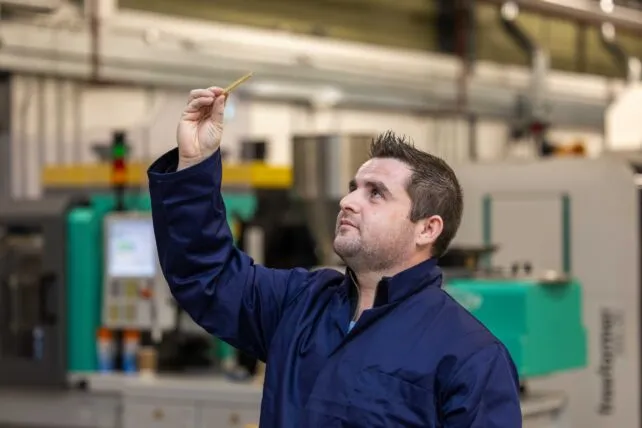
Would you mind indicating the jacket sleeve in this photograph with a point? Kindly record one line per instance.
(484, 392)
(219, 286)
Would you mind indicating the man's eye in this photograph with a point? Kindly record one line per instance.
(375, 192)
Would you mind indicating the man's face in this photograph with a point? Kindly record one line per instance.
(373, 229)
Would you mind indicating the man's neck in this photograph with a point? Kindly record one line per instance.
(367, 282)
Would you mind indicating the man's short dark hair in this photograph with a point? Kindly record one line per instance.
(433, 186)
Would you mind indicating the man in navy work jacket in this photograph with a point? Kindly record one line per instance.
(382, 345)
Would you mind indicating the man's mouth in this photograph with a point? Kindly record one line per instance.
(347, 223)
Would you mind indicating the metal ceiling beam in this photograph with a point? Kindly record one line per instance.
(35, 6)
(407, 6)
(403, 23)
(590, 12)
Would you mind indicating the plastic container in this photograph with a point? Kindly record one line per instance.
(106, 351)
(131, 345)
(148, 361)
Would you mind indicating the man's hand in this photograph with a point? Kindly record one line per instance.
(201, 126)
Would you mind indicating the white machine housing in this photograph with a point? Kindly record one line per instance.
(603, 244)
(585, 216)
(623, 124)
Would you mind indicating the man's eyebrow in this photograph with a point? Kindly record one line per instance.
(378, 185)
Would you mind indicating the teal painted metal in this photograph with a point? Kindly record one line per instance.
(85, 267)
(541, 325)
(487, 213)
(566, 234)
(237, 204)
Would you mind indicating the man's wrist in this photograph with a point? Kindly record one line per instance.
(187, 163)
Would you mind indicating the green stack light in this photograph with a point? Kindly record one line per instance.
(119, 168)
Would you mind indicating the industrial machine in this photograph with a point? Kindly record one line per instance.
(70, 267)
(578, 218)
(34, 288)
(538, 318)
(60, 263)
(78, 273)
(100, 265)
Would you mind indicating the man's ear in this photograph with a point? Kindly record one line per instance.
(428, 230)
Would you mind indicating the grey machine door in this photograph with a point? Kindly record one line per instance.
(32, 293)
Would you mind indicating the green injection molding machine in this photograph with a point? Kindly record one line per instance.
(539, 321)
(85, 269)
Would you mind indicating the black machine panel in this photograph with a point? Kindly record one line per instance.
(32, 292)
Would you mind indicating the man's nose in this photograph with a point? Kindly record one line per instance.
(348, 203)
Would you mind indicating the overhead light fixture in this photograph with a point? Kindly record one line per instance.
(607, 6)
(510, 10)
(608, 31)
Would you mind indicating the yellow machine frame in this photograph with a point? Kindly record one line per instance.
(254, 175)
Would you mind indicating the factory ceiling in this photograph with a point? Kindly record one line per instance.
(417, 24)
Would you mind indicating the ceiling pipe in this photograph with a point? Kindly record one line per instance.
(590, 12)
(508, 14)
(532, 111)
(630, 66)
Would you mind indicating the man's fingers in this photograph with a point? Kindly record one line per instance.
(213, 96)
(209, 92)
(196, 93)
(200, 102)
(216, 90)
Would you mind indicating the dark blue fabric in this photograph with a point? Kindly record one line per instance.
(417, 359)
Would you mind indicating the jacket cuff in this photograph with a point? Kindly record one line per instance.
(194, 181)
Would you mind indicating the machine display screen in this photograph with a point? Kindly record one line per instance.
(131, 248)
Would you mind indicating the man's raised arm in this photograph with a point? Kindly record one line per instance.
(215, 283)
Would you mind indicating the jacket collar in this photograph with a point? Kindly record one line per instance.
(398, 287)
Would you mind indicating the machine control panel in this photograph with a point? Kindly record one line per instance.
(129, 303)
(134, 296)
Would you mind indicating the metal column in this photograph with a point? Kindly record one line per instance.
(5, 136)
